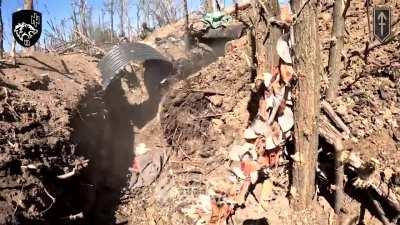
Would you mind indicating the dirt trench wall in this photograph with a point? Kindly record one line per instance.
(38, 97)
(206, 111)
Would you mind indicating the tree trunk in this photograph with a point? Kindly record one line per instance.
(28, 4)
(267, 56)
(13, 52)
(306, 62)
(75, 22)
(103, 28)
(82, 17)
(112, 18)
(129, 30)
(121, 18)
(214, 4)
(272, 55)
(1, 33)
(335, 51)
(208, 5)
(187, 32)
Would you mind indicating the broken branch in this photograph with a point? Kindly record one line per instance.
(379, 210)
(335, 118)
(330, 133)
(364, 51)
(67, 175)
(53, 200)
(336, 47)
(296, 16)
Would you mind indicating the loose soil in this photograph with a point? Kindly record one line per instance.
(54, 115)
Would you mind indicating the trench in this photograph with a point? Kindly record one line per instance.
(103, 131)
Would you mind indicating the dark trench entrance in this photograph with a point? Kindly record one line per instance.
(103, 131)
(104, 134)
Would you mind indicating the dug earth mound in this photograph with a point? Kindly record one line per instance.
(39, 97)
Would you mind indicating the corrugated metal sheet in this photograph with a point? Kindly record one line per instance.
(121, 55)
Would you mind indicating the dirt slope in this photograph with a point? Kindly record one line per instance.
(38, 99)
(203, 115)
(369, 100)
(47, 96)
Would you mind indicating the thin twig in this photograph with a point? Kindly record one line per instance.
(67, 175)
(379, 210)
(75, 217)
(279, 23)
(365, 50)
(53, 200)
(73, 172)
(209, 116)
(208, 91)
(346, 7)
(299, 12)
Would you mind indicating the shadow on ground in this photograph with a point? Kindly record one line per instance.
(103, 130)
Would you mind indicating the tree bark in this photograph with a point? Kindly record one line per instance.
(267, 56)
(335, 51)
(111, 10)
(208, 5)
(187, 33)
(121, 18)
(306, 62)
(1, 32)
(74, 22)
(272, 55)
(28, 4)
(13, 52)
(82, 17)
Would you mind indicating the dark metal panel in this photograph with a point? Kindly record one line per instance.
(121, 55)
(230, 32)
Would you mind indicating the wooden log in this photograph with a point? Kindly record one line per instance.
(381, 214)
(273, 11)
(335, 138)
(390, 201)
(306, 62)
(330, 133)
(335, 51)
(376, 194)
